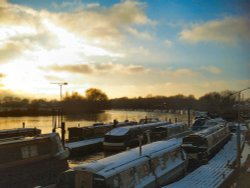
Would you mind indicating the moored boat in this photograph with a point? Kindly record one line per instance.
(158, 164)
(169, 131)
(30, 161)
(202, 145)
(96, 130)
(127, 137)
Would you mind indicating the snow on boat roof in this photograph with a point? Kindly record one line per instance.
(123, 130)
(26, 139)
(107, 165)
(173, 125)
(206, 131)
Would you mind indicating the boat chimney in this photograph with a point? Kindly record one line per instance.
(148, 136)
(140, 137)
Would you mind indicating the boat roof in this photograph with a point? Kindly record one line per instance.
(25, 139)
(5, 131)
(173, 125)
(120, 161)
(207, 131)
(123, 130)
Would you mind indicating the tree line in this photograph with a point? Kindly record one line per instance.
(95, 100)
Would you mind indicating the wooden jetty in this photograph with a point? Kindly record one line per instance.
(217, 173)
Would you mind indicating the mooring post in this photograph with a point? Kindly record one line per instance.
(189, 119)
(23, 124)
(63, 133)
(175, 120)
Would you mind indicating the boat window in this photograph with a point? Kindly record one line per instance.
(155, 162)
(140, 171)
(146, 169)
(29, 151)
(166, 157)
(163, 163)
(116, 181)
(128, 178)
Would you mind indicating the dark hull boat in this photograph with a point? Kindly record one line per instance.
(31, 161)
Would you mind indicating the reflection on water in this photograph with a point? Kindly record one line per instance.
(45, 122)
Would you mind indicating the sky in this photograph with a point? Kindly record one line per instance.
(125, 48)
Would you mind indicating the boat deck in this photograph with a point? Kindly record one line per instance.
(77, 144)
(213, 174)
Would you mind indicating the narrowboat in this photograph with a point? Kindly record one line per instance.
(203, 123)
(203, 144)
(97, 130)
(158, 164)
(127, 137)
(169, 131)
(31, 161)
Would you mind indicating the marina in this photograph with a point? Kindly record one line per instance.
(116, 170)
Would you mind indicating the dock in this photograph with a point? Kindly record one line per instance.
(214, 174)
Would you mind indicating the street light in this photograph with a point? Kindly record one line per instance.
(60, 84)
(60, 120)
(239, 99)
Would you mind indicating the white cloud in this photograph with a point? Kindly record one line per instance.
(211, 69)
(227, 30)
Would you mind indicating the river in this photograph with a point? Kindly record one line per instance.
(45, 122)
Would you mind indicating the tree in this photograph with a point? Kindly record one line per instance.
(94, 94)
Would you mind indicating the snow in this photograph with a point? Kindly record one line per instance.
(82, 143)
(128, 158)
(214, 173)
(123, 130)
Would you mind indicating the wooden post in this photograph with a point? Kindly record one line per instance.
(189, 119)
(175, 120)
(63, 133)
(23, 124)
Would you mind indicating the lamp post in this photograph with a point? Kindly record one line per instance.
(239, 100)
(60, 120)
(238, 137)
(60, 85)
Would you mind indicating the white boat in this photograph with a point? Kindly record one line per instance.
(158, 164)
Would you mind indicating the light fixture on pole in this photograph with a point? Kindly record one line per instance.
(60, 84)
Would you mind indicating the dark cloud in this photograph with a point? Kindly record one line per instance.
(97, 68)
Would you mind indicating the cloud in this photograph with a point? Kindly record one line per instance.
(2, 75)
(212, 69)
(109, 68)
(107, 24)
(227, 30)
(183, 72)
(168, 43)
